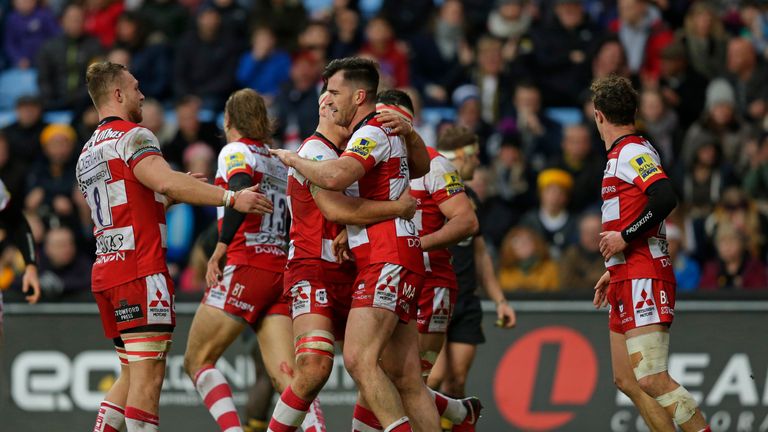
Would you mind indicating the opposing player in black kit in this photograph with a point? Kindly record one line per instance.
(470, 261)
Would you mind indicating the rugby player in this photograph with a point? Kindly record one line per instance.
(470, 260)
(319, 284)
(639, 285)
(17, 229)
(388, 253)
(125, 180)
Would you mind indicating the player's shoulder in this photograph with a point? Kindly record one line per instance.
(234, 147)
(317, 149)
(372, 130)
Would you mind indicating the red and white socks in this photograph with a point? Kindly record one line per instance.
(314, 420)
(452, 409)
(402, 425)
(137, 420)
(364, 420)
(289, 412)
(217, 397)
(111, 418)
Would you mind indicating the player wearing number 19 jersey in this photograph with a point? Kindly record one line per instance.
(639, 284)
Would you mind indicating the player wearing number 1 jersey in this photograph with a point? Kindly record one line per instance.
(249, 291)
(127, 184)
(639, 284)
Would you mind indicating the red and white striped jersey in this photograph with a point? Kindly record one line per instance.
(261, 240)
(311, 234)
(128, 217)
(440, 184)
(384, 158)
(633, 165)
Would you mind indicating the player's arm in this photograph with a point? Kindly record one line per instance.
(505, 314)
(343, 209)
(25, 243)
(336, 175)
(461, 223)
(418, 158)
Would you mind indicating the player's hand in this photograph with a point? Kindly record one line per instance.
(198, 176)
(505, 315)
(250, 200)
(340, 247)
(396, 123)
(407, 204)
(213, 272)
(601, 291)
(611, 243)
(30, 279)
(287, 157)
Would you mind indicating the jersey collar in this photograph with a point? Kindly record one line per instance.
(106, 120)
(364, 121)
(328, 142)
(621, 138)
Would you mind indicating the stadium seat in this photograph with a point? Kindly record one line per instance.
(15, 83)
(566, 116)
(58, 117)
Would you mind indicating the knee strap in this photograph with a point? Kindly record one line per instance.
(122, 355)
(686, 404)
(155, 347)
(648, 353)
(428, 359)
(317, 342)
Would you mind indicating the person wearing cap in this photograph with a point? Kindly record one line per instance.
(24, 133)
(52, 180)
(680, 85)
(552, 219)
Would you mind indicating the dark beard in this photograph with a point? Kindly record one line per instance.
(135, 116)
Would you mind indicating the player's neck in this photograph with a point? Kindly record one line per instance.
(362, 112)
(611, 133)
(233, 135)
(111, 111)
(332, 134)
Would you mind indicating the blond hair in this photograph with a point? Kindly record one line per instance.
(247, 113)
(100, 76)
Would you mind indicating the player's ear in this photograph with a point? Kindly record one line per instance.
(118, 95)
(360, 96)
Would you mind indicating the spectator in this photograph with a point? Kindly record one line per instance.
(755, 21)
(406, 16)
(62, 62)
(466, 99)
(27, 27)
(440, 56)
(265, 68)
(64, 272)
(85, 125)
(234, 18)
(660, 124)
(704, 39)
(23, 135)
(425, 129)
(643, 35)
(119, 56)
(584, 165)
(510, 19)
(199, 158)
(11, 172)
(747, 77)
(150, 61)
(687, 270)
(734, 268)
(316, 38)
(706, 175)
(610, 59)
(525, 264)
(51, 182)
(295, 106)
(206, 61)
(167, 19)
(552, 219)
(540, 135)
(756, 178)
(562, 53)
(736, 210)
(582, 265)
(382, 45)
(347, 37)
(154, 120)
(681, 86)
(190, 130)
(722, 124)
(101, 19)
(286, 17)
(489, 77)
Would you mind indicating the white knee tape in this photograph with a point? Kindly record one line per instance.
(654, 352)
(686, 405)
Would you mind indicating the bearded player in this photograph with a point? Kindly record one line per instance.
(125, 180)
(388, 254)
(639, 285)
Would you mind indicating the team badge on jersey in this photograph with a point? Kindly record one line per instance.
(362, 147)
(645, 166)
(453, 184)
(235, 161)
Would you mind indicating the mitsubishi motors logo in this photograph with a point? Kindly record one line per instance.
(645, 301)
(558, 359)
(159, 301)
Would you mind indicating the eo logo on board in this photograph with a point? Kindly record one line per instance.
(544, 377)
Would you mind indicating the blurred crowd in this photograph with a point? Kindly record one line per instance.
(516, 72)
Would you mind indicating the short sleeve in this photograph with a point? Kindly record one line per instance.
(443, 181)
(235, 158)
(369, 146)
(314, 150)
(639, 165)
(138, 144)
